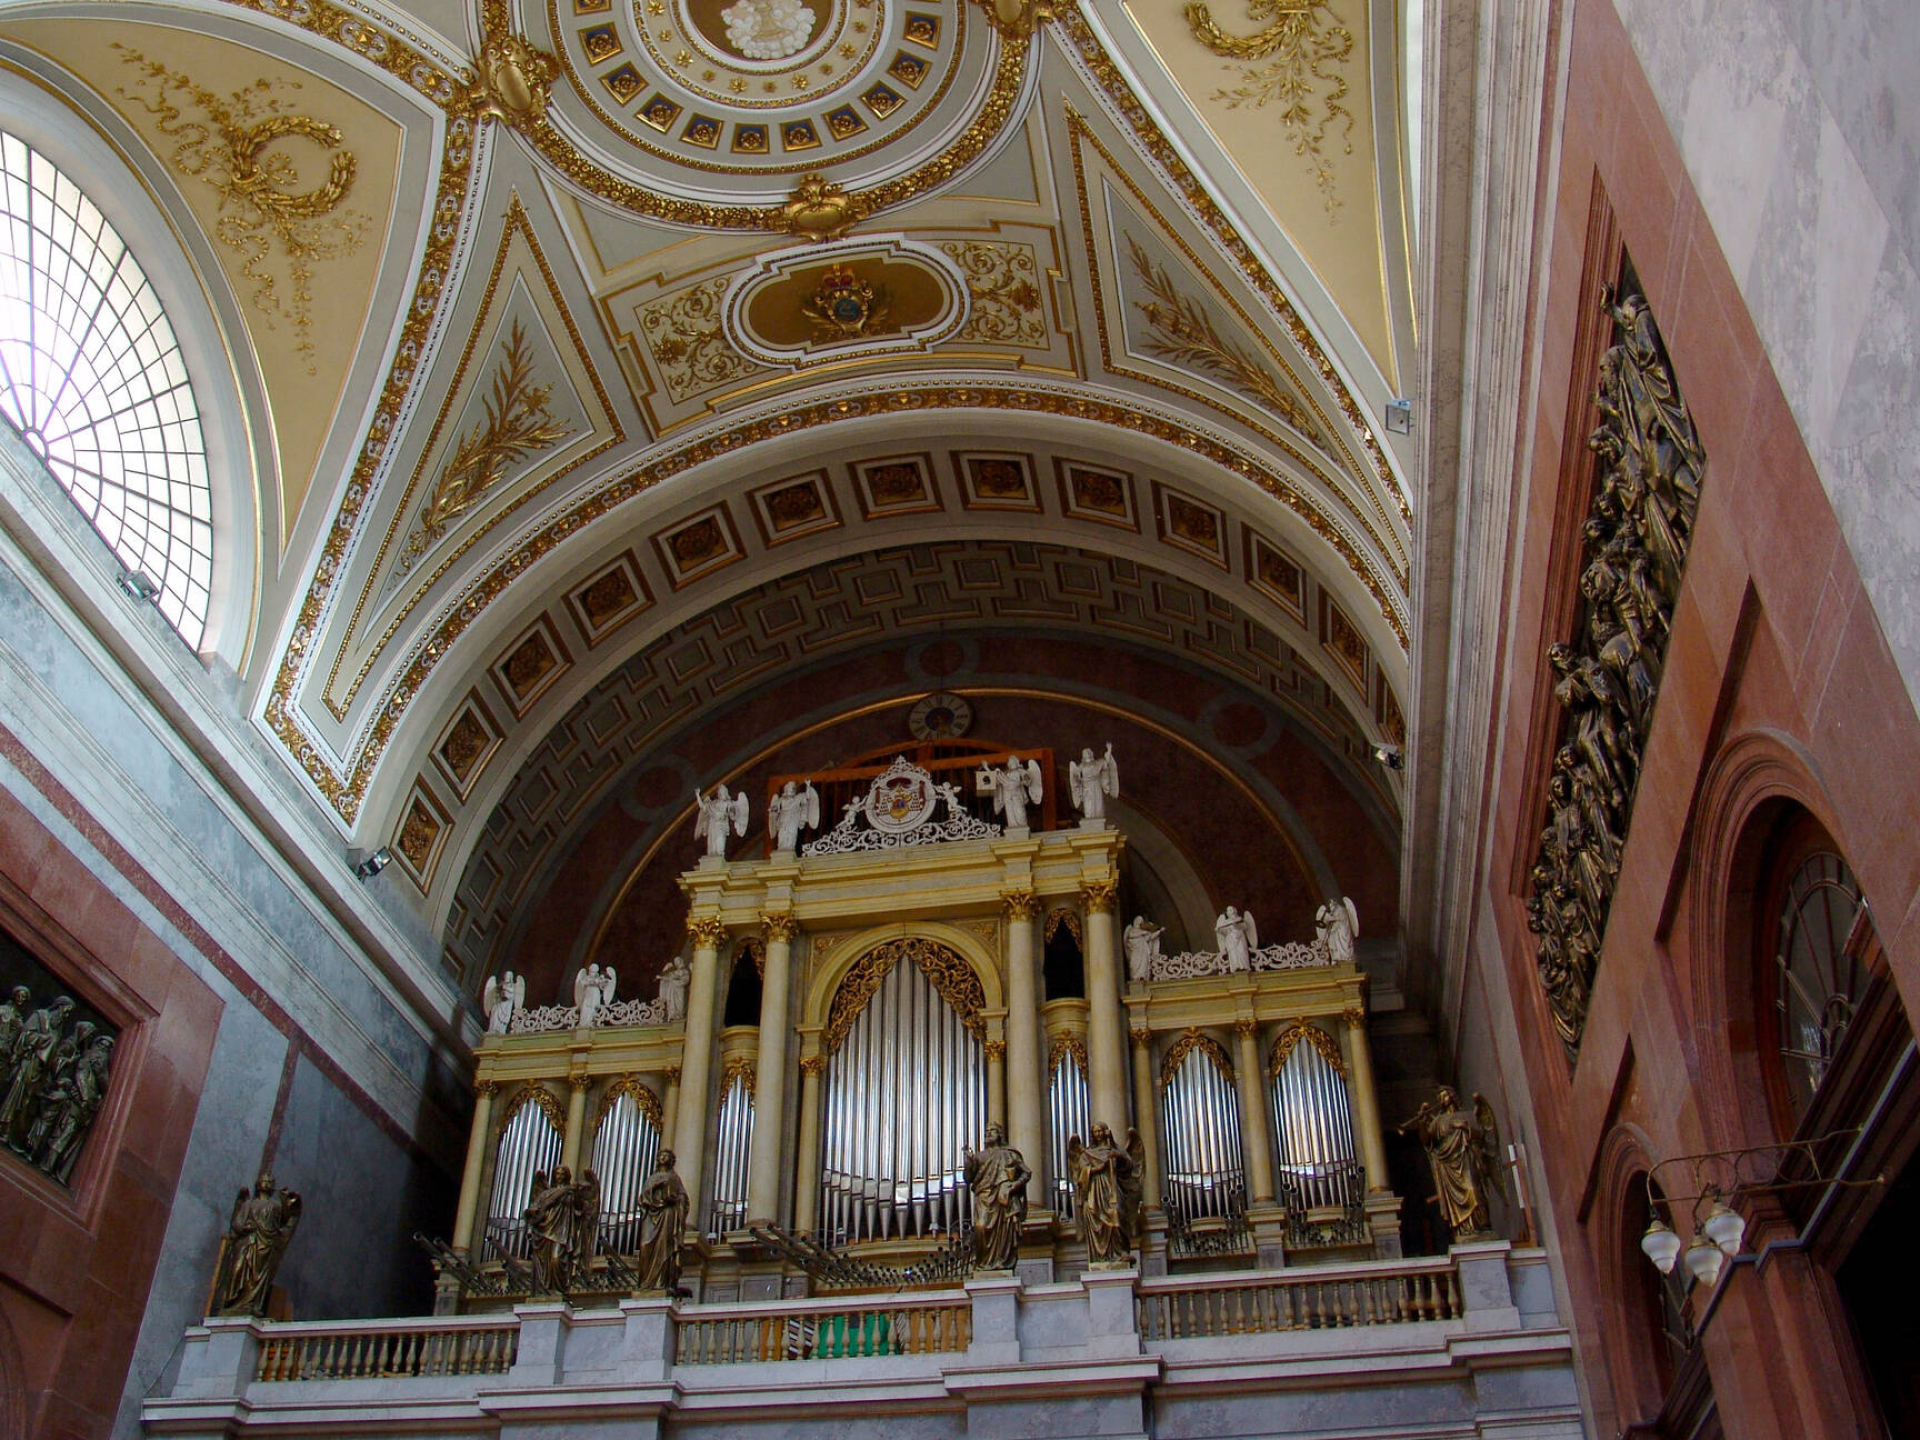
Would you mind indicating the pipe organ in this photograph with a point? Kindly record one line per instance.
(903, 1009)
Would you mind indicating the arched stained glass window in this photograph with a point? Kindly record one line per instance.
(1820, 977)
(93, 379)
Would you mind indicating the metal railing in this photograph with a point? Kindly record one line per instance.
(362, 1351)
(1383, 1293)
(710, 1335)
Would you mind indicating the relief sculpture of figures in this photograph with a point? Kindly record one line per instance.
(673, 990)
(1463, 1149)
(503, 995)
(262, 1224)
(13, 1015)
(561, 1219)
(790, 812)
(997, 1175)
(714, 814)
(1337, 924)
(1606, 676)
(1012, 788)
(1142, 942)
(68, 1108)
(1238, 938)
(663, 1209)
(1106, 1194)
(1092, 781)
(592, 993)
(33, 1051)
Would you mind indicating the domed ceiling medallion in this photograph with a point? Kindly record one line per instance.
(858, 298)
(709, 111)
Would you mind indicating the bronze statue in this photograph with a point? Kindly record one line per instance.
(561, 1218)
(663, 1210)
(1106, 1194)
(263, 1222)
(1463, 1148)
(997, 1176)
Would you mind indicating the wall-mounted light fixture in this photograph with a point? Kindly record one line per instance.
(1388, 754)
(139, 585)
(374, 863)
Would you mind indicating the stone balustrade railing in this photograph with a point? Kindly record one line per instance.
(1086, 1357)
(1191, 1307)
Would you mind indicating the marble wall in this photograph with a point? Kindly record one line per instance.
(1799, 127)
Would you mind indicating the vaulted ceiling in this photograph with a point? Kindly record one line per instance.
(554, 330)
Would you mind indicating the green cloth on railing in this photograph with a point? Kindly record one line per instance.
(864, 1332)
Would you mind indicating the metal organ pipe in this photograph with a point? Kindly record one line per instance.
(1200, 1111)
(529, 1144)
(1314, 1120)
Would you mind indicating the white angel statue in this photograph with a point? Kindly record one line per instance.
(1142, 942)
(1092, 780)
(503, 995)
(1338, 924)
(792, 811)
(1238, 938)
(592, 992)
(673, 990)
(1013, 788)
(714, 813)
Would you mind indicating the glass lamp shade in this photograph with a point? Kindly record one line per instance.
(1704, 1260)
(1724, 1228)
(1661, 1245)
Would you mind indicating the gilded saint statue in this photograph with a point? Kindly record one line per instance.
(561, 1219)
(1463, 1147)
(1106, 1195)
(663, 1211)
(263, 1222)
(997, 1175)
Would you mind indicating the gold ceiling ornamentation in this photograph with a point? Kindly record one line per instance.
(346, 794)
(237, 144)
(1003, 283)
(517, 424)
(685, 335)
(516, 80)
(1184, 334)
(1187, 185)
(819, 210)
(1016, 20)
(845, 307)
(1300, 50)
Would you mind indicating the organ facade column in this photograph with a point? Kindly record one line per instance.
(696, 1063)
(577, 1083)
(669, 1103)
(1253, 1111)
(1025, 1083)
(477, 1139)
(1106, 1047)
(1364, 1102)
(770, 1088)
(1146, 1117)
(806, 1175)
(996, 1053)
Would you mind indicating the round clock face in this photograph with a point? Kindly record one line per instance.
(940, 717)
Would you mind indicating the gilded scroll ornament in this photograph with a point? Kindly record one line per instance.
(1319, 1039)
(952, 978)
(1299, 54)
(242, 144)
(819, 210)
(1003, 286)
(1099, 895)
(684, 334)
(706, 932)
(1021, 904)
(781, 928)
(1191, 1039)
(1065, 1044)
(516, 424)
(1649, 466)
(1016, 20)
(1183, 333)
(515, 83)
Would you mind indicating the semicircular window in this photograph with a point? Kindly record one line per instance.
(93, 379)
(1821, 972)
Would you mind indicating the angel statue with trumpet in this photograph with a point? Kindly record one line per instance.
(1463, 1148)
(1013, 788)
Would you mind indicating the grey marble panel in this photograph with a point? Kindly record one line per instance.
(1381, 1409)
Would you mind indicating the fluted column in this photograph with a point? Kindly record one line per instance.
(1253, 1111)
(806, 1174)
(1026, 1085)
(1146, 1117)
(1363, 1099)
(1106, 1045)
(696, 1064)
(770, 1087)
(996, 1053)
(570, 1142)
(477, 1138)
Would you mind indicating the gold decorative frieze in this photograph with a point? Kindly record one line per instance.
(688, 344)
(1649, 466)
(1003, 288)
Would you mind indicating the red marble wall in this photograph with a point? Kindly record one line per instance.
(75, 1265)
(1038, 691)
(1778, 686)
